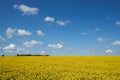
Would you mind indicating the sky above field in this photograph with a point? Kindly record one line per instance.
(60, 27)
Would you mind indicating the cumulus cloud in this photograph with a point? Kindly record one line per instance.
(100, 39)
(49, 19)
(26, 10)
(32, 43)
(62, 23)
(12, 48)
(109, 51)
(118, 23)
(40, 33)
(59, 22)
(10, 32)
(116, 43)
(23, 32)
(43, 53)
(55, 46)
(19, 49)
(1, 39)
(83, 33)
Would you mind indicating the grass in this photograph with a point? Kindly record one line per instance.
(60, 68)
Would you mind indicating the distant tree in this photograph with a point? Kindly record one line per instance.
(3, 55)
(17, 54)
(31, 55)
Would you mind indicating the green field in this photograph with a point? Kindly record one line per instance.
(60, 68)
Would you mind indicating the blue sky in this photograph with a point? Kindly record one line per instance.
(60, 27)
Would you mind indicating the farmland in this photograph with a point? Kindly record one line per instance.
(60, 68)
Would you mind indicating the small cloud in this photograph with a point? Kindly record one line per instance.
(116, 43)
(100, 39)
(55, 46)
(23, 32)
(40, 33)
(62, 23)
(43, 53)
(10, 32)
(10, 47)
(19, 49)
(83, 33)
(59, 22)
(1, 39)
(49, 19)
(32, 43)
(109, 51)
(97, 29)
(26, 10)
(118, 23)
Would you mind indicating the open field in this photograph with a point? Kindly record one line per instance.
(60, 68)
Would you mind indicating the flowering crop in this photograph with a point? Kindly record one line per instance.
(60, 68)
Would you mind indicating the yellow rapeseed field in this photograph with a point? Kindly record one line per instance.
(60, 68)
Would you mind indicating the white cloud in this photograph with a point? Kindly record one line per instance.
(26, 9)
(10, 32)
(62, 23)
(100, 39)
(1, 39)
(97, 29)
(59, 22)
(55, 46)
(23, 32)
(116, 43)
(43, 53)
(19, 49)
(109, 51)
(40, 33)
(10, 47)
(49, 19)
(118, 23)
(83, 33)
(32, 43)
